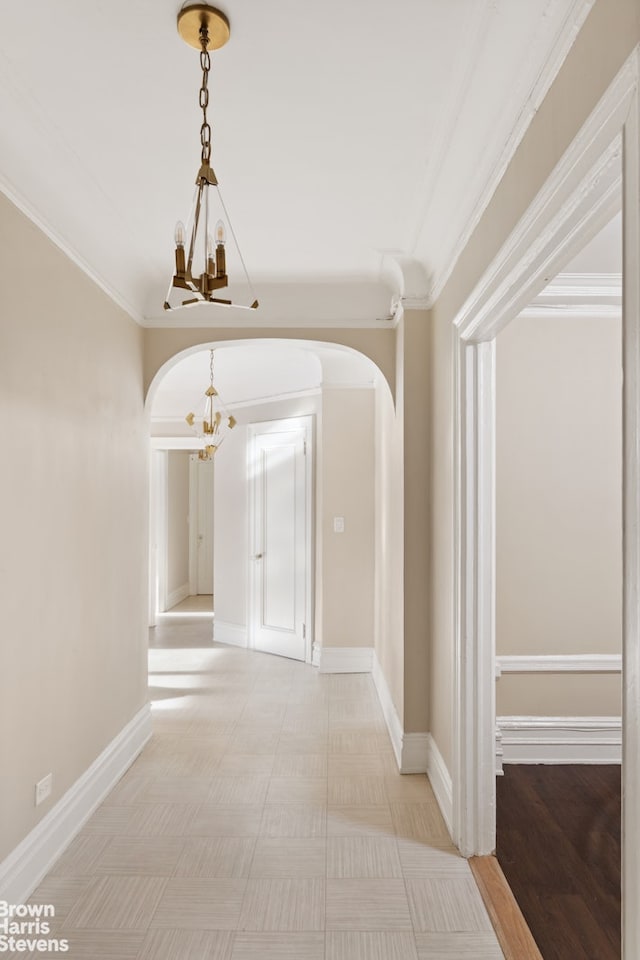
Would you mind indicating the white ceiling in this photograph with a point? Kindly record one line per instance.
(345, 136)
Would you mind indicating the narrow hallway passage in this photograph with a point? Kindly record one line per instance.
(265, 819)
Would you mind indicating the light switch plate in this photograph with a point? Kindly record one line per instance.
(43, 789)
(338, 524)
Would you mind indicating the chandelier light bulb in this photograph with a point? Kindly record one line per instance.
(221, 258)
(180, 234)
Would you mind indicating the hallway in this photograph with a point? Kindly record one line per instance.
(265, 819)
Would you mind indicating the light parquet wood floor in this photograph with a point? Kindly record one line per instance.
(265, 819)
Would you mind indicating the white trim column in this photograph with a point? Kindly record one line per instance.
(474, 788)
(631, 531)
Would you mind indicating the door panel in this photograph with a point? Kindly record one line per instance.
(280, 562)
(279, 462)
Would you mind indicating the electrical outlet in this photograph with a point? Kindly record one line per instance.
(43, 788)
(338, 524)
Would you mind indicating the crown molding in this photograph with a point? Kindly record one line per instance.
(416, 303)
(19, 201)
(275, 398)
(576, 16)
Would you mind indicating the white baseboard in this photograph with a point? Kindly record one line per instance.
(558, 740)
(177, 595)
(315, 654)
(414, 752)
(392, 720)
(440, 780)
(411, 749)
(346, 659)
(25, 866)
(234, 634)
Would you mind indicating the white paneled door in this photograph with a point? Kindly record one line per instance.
(280, 537)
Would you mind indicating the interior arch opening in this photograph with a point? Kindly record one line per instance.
(207, 558)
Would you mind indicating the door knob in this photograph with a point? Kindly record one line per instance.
(257, 556)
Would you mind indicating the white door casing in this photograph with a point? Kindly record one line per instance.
(577, 200)
(280, 532)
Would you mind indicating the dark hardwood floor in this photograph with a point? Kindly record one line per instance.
(559, 848)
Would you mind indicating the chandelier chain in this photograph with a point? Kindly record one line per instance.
(211, 367)
(205, 63)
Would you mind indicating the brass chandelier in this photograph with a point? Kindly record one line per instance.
(206, 249)
(215, 422)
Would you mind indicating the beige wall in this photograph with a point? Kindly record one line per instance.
(348, 477)
(414, 340)
(177, 520)
(402, 525)
(389, 540)
(73, 516)
(441, 528)
(607, 39)
(558, 502)
(559, 695)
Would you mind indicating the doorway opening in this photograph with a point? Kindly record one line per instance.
(285, 573)
(580, 196)
(181, 534)
(558, 618)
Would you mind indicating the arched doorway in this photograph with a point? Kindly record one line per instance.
(342, 394)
